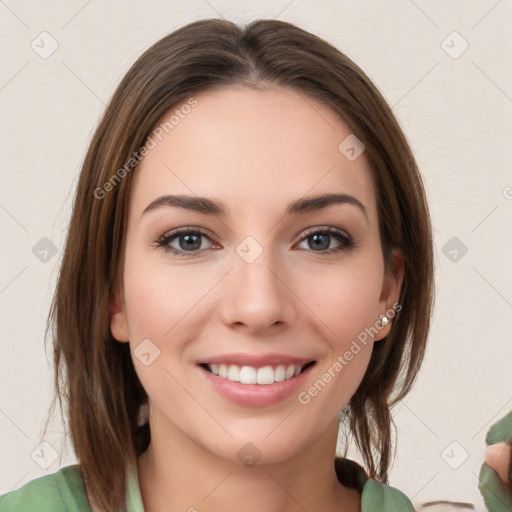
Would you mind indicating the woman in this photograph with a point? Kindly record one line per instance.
(250, 257)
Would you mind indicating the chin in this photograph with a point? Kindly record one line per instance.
(260, 449)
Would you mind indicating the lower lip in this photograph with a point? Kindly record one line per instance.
(256, 395)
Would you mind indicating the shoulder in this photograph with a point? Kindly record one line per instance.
(60, 491)
(378, 497)
(375, 496)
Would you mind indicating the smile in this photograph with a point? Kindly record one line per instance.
(255, 380)
(264, 375)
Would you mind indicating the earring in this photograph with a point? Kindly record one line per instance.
(384, 321)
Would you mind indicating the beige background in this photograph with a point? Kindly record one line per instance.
(455, 109)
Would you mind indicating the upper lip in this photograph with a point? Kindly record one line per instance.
(256, 361)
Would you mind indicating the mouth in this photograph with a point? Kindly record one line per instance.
(263, 375)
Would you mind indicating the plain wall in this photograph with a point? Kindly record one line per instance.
(456, 111)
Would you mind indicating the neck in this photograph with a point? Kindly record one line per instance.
(182, 476)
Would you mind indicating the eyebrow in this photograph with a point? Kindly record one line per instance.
(209, 206)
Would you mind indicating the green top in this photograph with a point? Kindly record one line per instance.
(64, 491)
(495, 497)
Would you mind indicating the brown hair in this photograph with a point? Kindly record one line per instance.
(94, 373)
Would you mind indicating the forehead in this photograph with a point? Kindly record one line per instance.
(251, 147)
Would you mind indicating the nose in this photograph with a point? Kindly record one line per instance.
(257, 296)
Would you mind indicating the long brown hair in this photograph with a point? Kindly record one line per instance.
(94, 374)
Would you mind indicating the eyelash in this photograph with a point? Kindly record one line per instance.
(163, 242)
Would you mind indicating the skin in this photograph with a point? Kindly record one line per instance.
(497, 457)
(256, 151)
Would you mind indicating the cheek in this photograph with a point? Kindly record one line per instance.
(159, 297)
(346, 303)
(346, 299)
(161, 305)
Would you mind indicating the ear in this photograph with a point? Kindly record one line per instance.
(391, 287)
(118, 318)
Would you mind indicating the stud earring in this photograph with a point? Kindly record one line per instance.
(384, 321)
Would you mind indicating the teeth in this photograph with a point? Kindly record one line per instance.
(279, 373)
(246, 374)
(250, 375)
(266, 375)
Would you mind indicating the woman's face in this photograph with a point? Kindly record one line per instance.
(263, 278)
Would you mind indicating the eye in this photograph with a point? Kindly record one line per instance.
(319, 238)
(186, 242)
